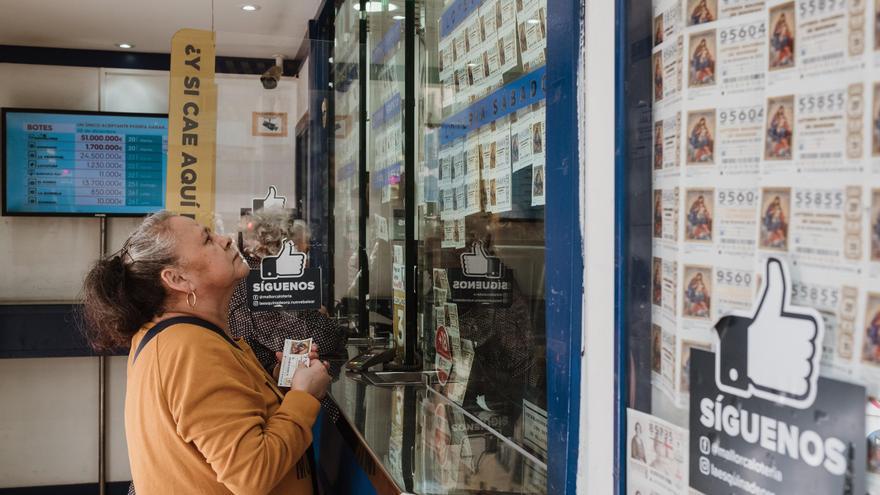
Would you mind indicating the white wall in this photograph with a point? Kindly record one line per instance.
(49, 409)
(596, 147)
(247, 165)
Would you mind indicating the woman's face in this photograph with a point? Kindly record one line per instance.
(210, 261)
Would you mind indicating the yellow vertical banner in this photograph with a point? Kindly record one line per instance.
(192, 126)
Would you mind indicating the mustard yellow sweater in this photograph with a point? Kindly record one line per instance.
(202, 416)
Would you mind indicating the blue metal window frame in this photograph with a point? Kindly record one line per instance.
(564, 245)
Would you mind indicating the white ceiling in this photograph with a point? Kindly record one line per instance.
(278, 27)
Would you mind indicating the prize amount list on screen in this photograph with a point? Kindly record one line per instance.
(88, 167)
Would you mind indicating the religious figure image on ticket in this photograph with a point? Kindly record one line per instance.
(702, 11)
(775, 212)
(697, 302)
(657, 281)
(658, 76)
(702, 58)
(875, 225)
(779, 141)
(658, 30)
(782, 37)
(658, 145)
(698, 222)
(658, 213)
(700, 138)
(876, 25)
(875, 122)
(656, 347)
(871, 338)
(684, 369)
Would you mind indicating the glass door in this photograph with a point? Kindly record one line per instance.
(480, 207)
(350, 284)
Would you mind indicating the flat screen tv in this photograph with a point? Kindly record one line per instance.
(78, 163)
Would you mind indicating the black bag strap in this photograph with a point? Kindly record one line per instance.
(190, 320)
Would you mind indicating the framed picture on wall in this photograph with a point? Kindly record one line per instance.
(269, 124)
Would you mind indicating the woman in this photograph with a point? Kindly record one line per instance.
(263, 234)
(201, 415)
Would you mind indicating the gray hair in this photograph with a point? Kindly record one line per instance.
(266, 229)
(124, 291)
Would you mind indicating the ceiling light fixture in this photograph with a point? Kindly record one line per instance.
(250, 8)
(533, 21)
(399, 17)
(125, 45)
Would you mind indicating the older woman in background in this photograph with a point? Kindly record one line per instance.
(262, 234)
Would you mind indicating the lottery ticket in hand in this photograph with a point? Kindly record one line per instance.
(295, 352)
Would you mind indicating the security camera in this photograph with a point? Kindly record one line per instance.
(273, 74)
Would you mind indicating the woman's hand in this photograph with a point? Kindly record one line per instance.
(313, 355)
(313, 379)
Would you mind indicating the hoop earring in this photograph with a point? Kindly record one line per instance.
(192, 304)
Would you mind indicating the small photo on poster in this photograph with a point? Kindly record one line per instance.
(871, 341)
(702, 11)
(782, 37)
(538, 185)
(658, 213)
(685, 367)
(657, 281)
(523, 39)
(658, 145)
(538, 137)
(779, 141)
(702, 60)
(658, 76)
(658, 30)
(701, 210)
(875, 225)
(697, 302)
(875, 120)
(876, 25)
(656, 347)
(700, 140)
(775, 211)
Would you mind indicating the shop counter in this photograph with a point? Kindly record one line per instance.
(411, 438)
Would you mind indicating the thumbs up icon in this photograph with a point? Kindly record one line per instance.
(478, 263)
(288, 263)
(272, 200)
(773, 353)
